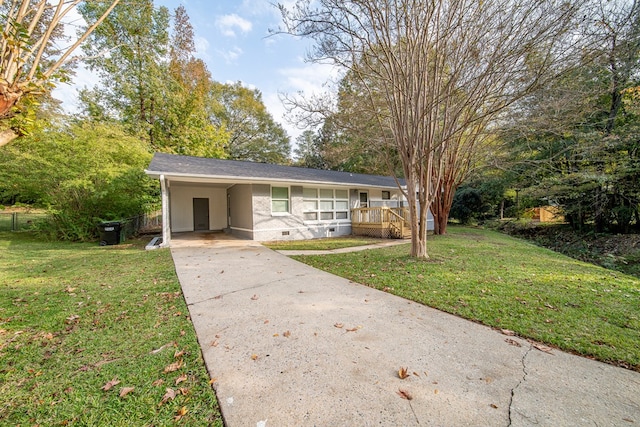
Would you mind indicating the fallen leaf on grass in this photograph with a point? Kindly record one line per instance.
(512, 342)
(72, 319)
(181, 378)
(169, 395)
(402, 373)
(173, 367)
(404, 394)
(181, 413)
(178, 354)
(158, 350)
(110, 384)
(126, 390)
(157, 382)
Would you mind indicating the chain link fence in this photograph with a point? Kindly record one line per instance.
(142, 224)
(19, 221)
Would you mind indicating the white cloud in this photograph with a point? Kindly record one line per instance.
(229, 24)
(202, 47)
(309, 78)
(231, 55)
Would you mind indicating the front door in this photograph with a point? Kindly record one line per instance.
(200, 214)
(364, 199)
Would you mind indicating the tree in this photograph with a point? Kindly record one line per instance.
(152, 82)
(574, 143)
(307, 152)
(29, 58)
(255, 136)
(133, 77)
(82, 173)
(446, 70)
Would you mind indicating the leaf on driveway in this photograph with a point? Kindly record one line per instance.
(338, 325)
(173, 367)
(126, 390)
(286, 334)
(541, 347)
(404, 394)
(109, 385)
(512, 342)
(403, 373)
(507, 332)
(254, 297)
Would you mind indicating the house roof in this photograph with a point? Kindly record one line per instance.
(206, 169)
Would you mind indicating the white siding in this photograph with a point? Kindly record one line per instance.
(182, 206)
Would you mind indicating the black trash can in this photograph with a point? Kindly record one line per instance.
(111, 233)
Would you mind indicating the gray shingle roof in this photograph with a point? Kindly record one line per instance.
(171, 164)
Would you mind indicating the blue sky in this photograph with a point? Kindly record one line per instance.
(232, 37)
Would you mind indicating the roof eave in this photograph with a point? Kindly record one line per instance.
(257, 180)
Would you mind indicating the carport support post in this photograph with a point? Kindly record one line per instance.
(166, 221)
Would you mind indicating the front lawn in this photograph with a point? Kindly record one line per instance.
(509, 284)
(322, 244)
(97, 336)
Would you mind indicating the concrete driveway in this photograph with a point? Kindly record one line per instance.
(289, 345)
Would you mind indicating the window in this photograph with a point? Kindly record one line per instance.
(279, 200)
(325, 204)
(386, 195)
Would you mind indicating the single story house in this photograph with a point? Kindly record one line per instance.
(264, 202)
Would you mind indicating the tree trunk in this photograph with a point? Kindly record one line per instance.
(418, 217)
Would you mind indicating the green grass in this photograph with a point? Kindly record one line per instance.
(76, 316)
(507, 283)
(322, 244)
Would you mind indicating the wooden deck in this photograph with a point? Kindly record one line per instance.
(382, 222)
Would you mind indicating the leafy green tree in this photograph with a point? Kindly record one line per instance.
(467, 204)
(132, 74)
(307, 153)
(574, 143)
(152, 82)
(82, 173)
(255, 136)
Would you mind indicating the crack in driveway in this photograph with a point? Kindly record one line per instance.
(522, 380)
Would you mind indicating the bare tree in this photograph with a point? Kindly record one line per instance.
(27, 60)
(445, 69)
